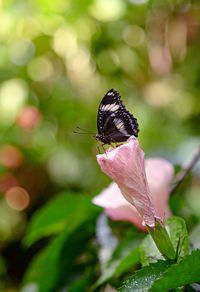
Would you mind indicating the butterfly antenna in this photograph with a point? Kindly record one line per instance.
(83, 131)
(86, 131)
(75, 132)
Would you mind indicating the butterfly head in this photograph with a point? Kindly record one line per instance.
(102, 138)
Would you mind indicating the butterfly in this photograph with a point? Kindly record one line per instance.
(115, 124)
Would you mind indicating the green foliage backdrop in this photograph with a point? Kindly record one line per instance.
(57, 60)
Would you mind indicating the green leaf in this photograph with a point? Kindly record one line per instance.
(63, 211)
(80, 284)
(124, 257)
(128, 262)
(118, 266)
(148, 251)
(144, 278)
(177, 229)
(43, 270)
(55, 262)
(185, 272)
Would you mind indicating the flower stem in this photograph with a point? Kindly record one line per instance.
(162, 240)
(182, 174)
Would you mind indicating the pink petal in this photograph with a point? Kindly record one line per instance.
(110, 197)
(125, 165)
(159, 173)
(124, 215)
(116, 207)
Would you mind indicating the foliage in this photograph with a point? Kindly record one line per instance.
(179, 238)
(180, 274)
(124, 257)
(144, 279)
(57, 257)
(162, 276)
(57, 60)
(56, 216)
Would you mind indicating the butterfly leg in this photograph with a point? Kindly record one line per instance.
(118, 145)
(98, 147)
(103, 148)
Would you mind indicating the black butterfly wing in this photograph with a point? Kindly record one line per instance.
(114, 121)
(120, 126)
(110, 103)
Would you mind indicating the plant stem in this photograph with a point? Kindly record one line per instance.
(182, 174)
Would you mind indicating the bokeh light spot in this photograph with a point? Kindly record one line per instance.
(80, 69)
(22, 51)
(8, 24)
(158, 94)
(160, 60)
(11, 157)
(28, 28)
(13, 94)
(64, 41)
(138, 2)
(105, 10)
(177, 37)
(17, 198)
(183, 104)
(29, 118)
(40, 69)
(134, 35)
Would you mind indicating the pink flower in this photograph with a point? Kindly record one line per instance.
(125, 165)
(117, 207)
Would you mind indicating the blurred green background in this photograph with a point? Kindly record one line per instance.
(57, 60)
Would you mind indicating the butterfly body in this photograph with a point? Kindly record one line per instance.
(115, 124)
